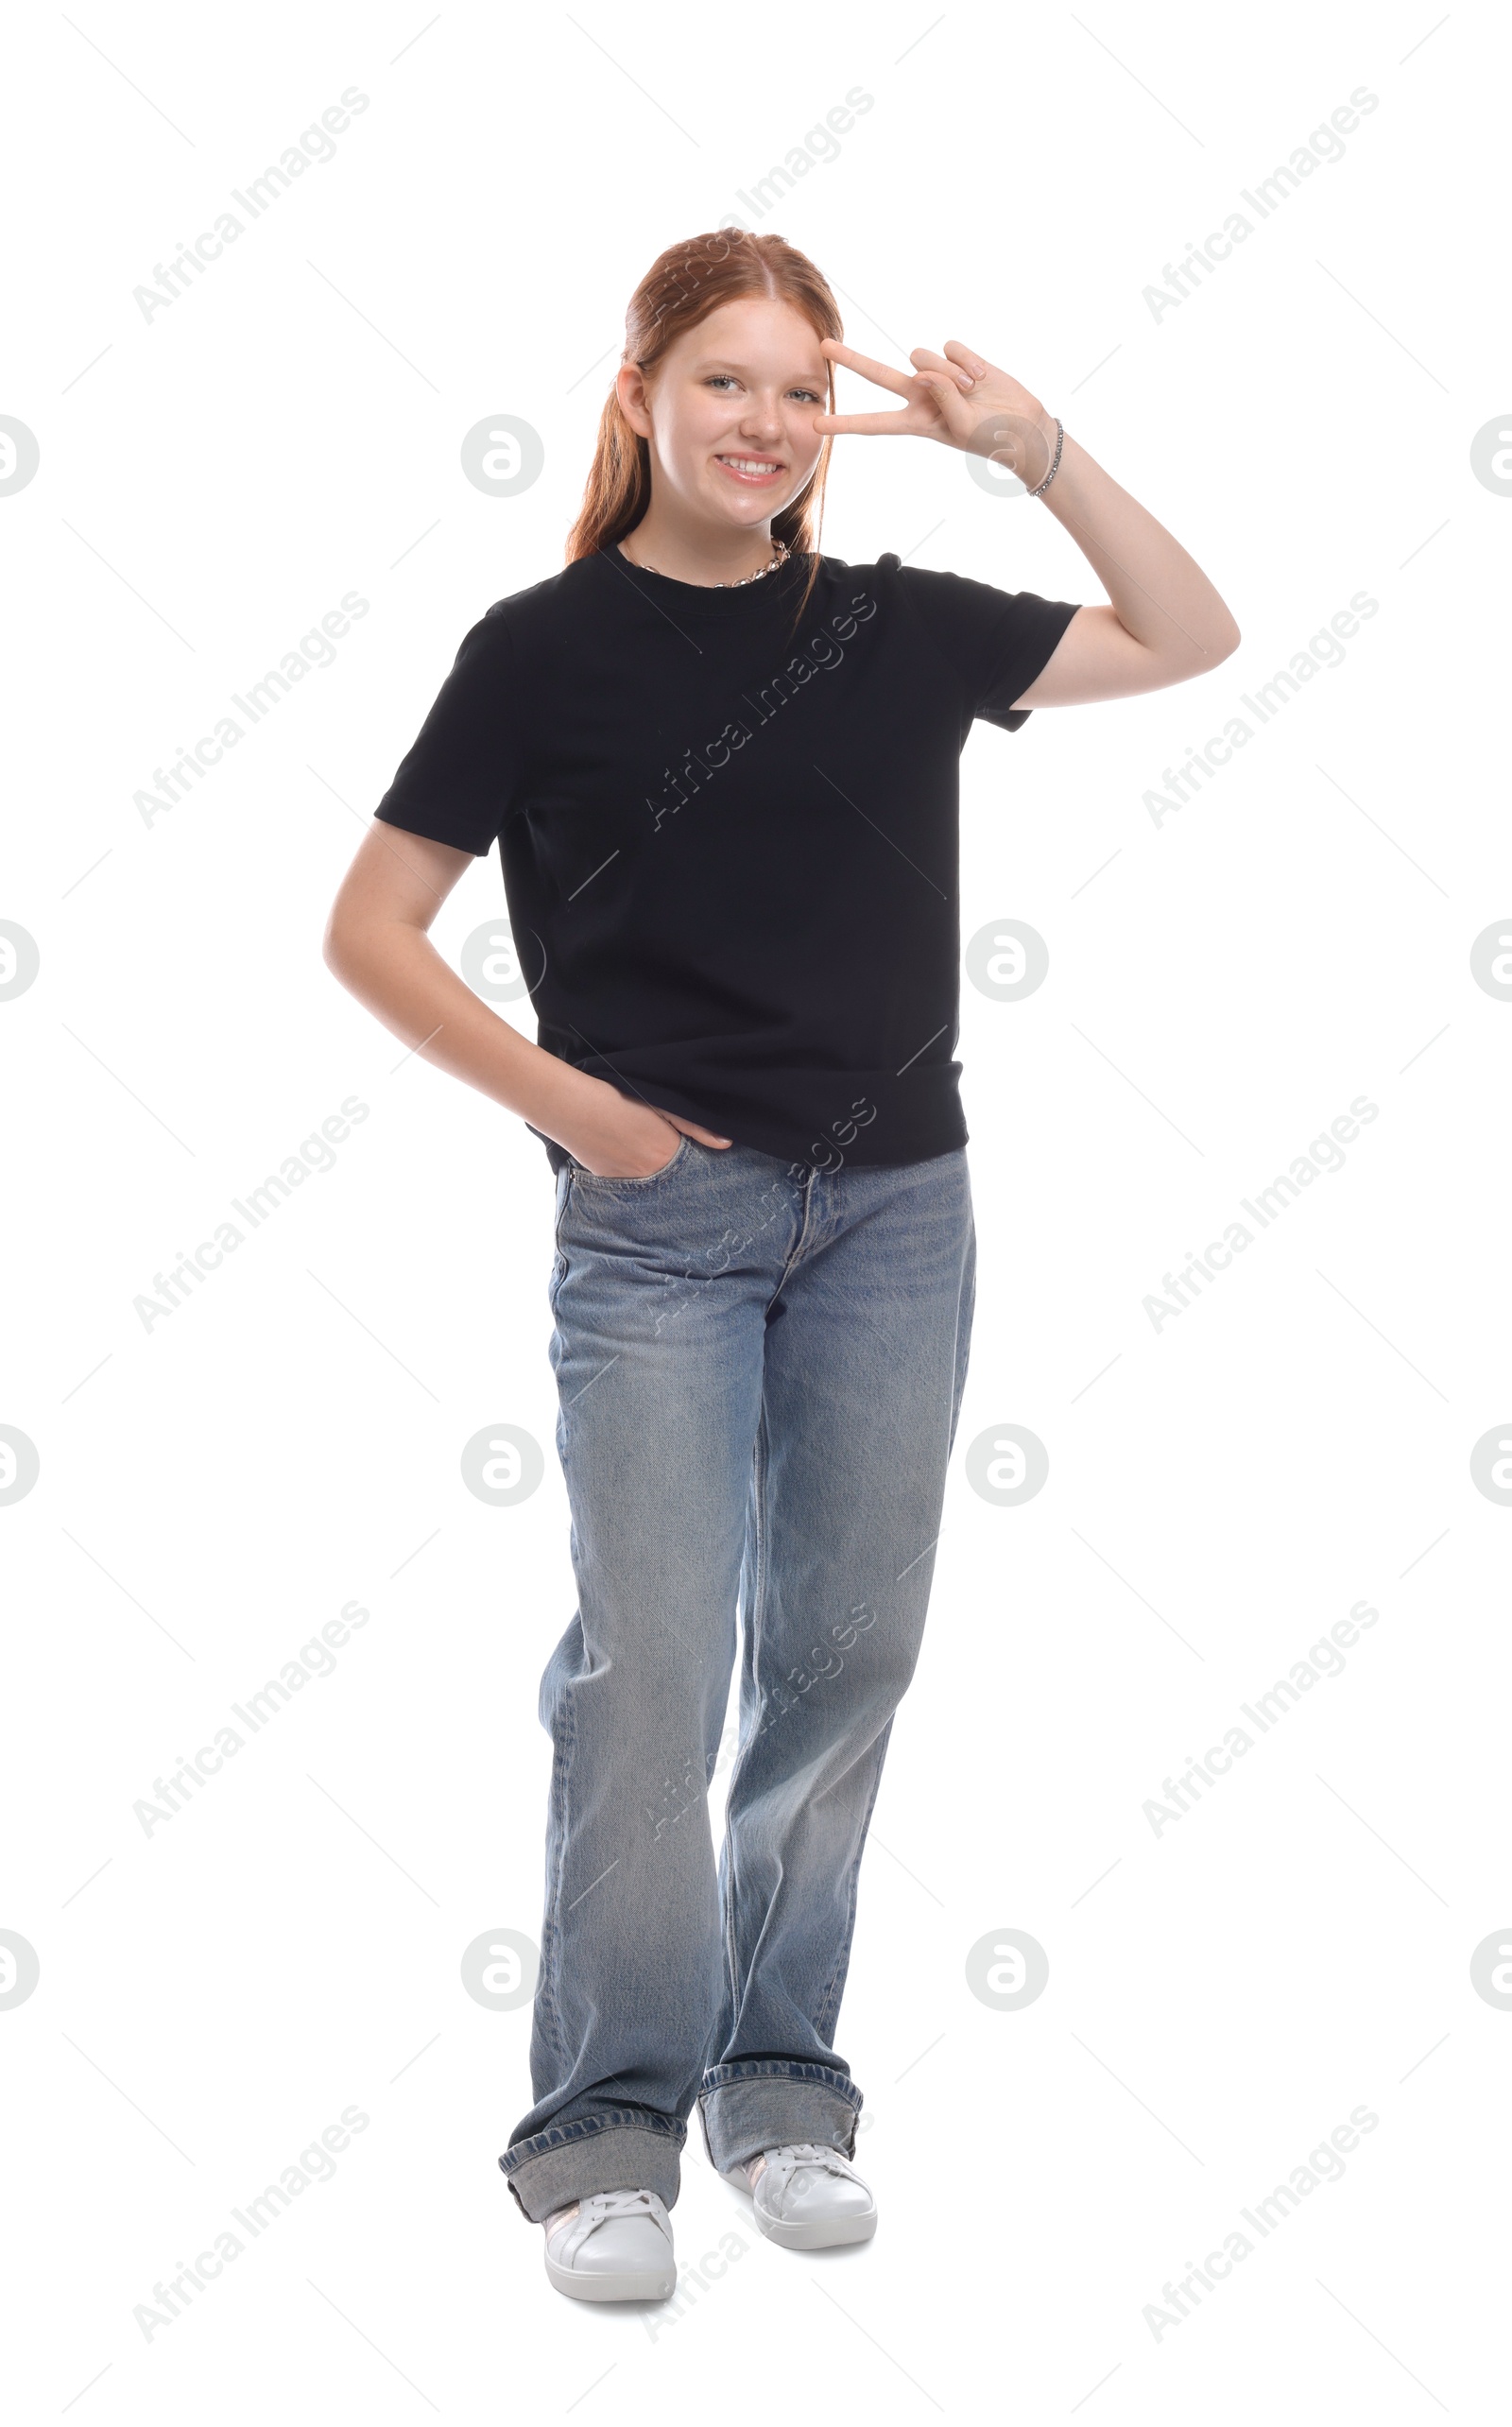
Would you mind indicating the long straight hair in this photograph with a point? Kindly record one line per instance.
(681, 287)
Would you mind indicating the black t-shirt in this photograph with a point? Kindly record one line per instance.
(729, 842)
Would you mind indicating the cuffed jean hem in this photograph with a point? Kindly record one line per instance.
(754, 2104)
(567, 2161)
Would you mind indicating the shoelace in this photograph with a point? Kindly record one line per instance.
(782, 2164)
(596, 2209)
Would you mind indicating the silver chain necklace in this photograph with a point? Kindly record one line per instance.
(760, 574)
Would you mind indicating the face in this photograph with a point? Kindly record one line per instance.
(728, 412)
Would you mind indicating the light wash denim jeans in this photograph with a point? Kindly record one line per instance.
(759, 1367)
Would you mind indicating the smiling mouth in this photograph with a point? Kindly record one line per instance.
(753, 469)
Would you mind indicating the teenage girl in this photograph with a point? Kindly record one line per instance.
(722, 771)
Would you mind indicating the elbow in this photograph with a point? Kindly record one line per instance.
(1226, 641)
(336, 947)
(1198, 652)
(1221, 643)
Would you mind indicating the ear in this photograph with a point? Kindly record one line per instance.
(630, 387)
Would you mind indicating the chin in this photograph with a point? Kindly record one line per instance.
(754, 505)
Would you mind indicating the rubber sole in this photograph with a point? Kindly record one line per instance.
(644, 2284)
(826, 2234)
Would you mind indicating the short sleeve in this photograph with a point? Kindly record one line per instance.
(458, 783)
(994, 641)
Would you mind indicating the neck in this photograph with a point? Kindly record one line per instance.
(696, 553)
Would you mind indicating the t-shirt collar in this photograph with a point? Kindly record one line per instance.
(683, 600)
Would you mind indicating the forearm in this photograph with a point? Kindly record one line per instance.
(395, 971)
(1162, 599)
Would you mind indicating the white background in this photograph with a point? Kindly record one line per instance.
(1221, 986)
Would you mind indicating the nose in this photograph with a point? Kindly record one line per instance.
(762, 419)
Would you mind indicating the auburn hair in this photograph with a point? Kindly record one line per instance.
(681, 287)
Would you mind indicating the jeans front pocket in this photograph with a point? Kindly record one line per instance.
(594, 1181)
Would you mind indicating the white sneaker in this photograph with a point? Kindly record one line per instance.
(807, 2197)
(612, 2246)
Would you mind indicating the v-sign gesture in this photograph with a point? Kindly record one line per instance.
(1166, 622)
(958, 398)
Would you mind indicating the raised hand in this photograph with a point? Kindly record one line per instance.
(956, 397)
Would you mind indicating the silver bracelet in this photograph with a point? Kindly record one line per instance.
(1061, 438)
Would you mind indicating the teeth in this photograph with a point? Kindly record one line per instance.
(748, 463)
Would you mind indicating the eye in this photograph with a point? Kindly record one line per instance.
(809, 395)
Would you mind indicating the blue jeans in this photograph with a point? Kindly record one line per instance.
(759, 1367)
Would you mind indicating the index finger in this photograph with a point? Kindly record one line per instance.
(878, 371)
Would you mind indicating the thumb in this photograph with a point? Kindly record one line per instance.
(695, 1129)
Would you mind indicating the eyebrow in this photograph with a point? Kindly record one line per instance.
(726, 362)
